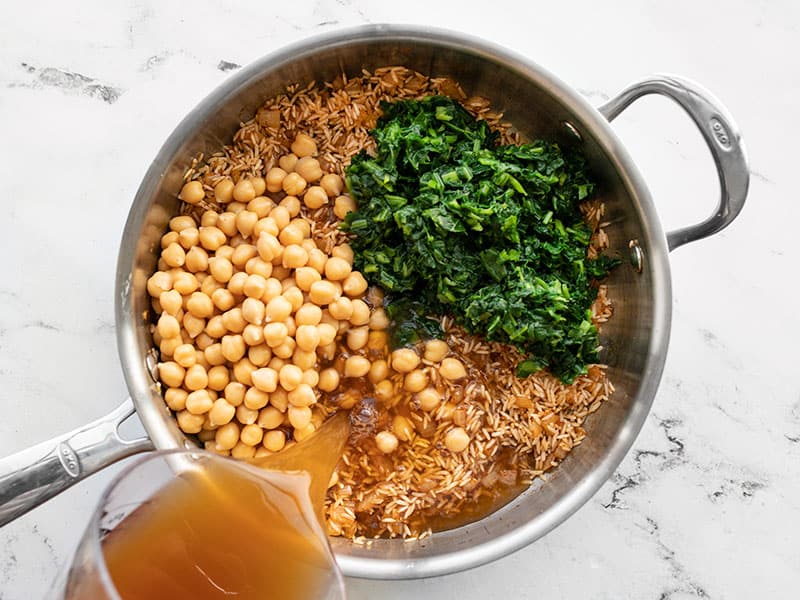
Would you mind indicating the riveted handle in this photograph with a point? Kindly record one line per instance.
(33, 476)
(720, 134)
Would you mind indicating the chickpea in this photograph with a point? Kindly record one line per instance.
(257, 266)
(456, 439)
(304, 145)
(200, 355)
(317, 259)
(243, 370)
(259, 185)
(171, 374)
(357, 338)
(236, 283)
(265, 379)
(356, 366)
(344, 251)
(299, 416)
(255, 398)
(181, 222)
(192, 192)
(242, 451)
(243, 252)
(378, 320)
(218, 378)
(338, 269)
(294, 295)
(176, 398)
(386, 442)
(332, 184)
(404, 360)
(190, 423)
(281, 216)
(159, 283)
(174, 255)
(261, 206)
(244, 191)
(211, 238)
(341, 309)
(280, 400)
(220, 268)
(253, 310)
(274, 179)
(328, 380)
(308, 168)
(168, 326)
(223, 299)
(189, 237)
(294, 256)
(254, 287)
(294, 185)
(378, 371)
(209, 218)
(196, 259)
(435, 350)
(291, 204)
(169, 238)
(315, 197)
(275, 333)
(343, 205)
(253, 335)
(171, 302)
(221, 412)
(223, 191)
(268, 246)
(415, 381)
(304, 359)
(259, 354)
(323, 292)
(305, 277)
(291, 234)
(402, 428)
(384, 391)
(226, 222)
(274, 441)
(245, 415)
(308, 314)
(234, 320)
(167, 346)
(227, 435)
(233, 347)
(354, 284)
(302, 395)
(429, 399)
(200, 305)
(287, 162)
(452, 369)
(277, 309)
(361, 313)
(270, 417)
(307, 337)
(290, 377)
(213, 354)
(234, 393)
(311, 375)
(304, 433)
(327, 334)
(196, 378)
(199, 402)
(208, 285)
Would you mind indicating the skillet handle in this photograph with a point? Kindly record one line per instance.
(722, 138)
(32, 476)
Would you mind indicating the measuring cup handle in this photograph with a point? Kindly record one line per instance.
(720, 134)
(34, 475)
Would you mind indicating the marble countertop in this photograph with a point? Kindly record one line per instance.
(706, 504)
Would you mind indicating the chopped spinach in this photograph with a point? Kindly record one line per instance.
(489, 234)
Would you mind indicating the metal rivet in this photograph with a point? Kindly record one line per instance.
(637, 255)
(151, 362)
(572, 129)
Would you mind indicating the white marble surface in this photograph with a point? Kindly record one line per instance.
(706, 505)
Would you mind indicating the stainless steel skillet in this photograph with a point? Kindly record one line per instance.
(538, 104)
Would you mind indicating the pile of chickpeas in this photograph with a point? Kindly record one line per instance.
(255, 322)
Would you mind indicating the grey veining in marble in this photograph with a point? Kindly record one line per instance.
(707, 503)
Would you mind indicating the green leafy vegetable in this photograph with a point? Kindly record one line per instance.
(490, 234)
